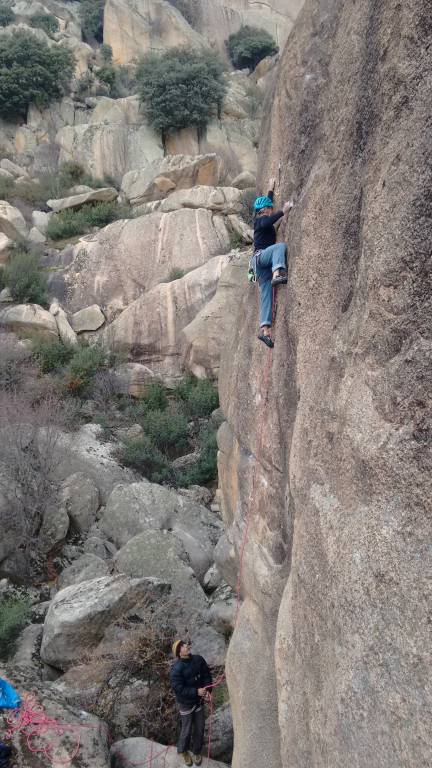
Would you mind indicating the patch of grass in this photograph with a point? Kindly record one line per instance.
(83, 367)
(142, 455)
(71, 222)
(25, 279)
(14, 615)
(168, 430)
(200, 396)
(175, 274)
(51, 355)
(204, 470)
(7, 15)
(7, 187)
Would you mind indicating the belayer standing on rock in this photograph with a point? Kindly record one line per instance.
(190, 678)
(268, 264)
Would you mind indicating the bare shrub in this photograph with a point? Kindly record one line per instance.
(30, 454)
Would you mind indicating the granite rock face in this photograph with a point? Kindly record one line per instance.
(325, 453)
(115, 266)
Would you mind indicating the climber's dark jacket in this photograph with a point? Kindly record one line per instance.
(186, 676)
(264, 231)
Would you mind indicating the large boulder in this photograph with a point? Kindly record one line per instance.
(85, 568)
(29, 319)
(161, 555)
(12, 222)
(79, 615)
(151, 327)
(80, 498)
(135, 27)
(78, 739)
(88, 319)
(66, 333)
(114, 139)
(102, 195)
(137, 751)
(226, 200)
(139, 507)
(85, 453)
(206, 334)
(162, 176)
(220, 725)
(115, 266)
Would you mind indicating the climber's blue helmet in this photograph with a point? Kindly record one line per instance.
(263, 202)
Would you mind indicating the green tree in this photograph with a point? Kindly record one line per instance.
(7, 15)
(92, 18)
(45, 21)
(31, 72)
(180, 88)
(249, 45)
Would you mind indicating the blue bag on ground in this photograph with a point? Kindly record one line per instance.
(9, 698)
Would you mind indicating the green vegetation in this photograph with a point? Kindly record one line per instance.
(31, 72)
(175, 274)
(7, 187)
(92, 16)
(83, 367)
(72, 222)
(7, 15)
(106, 52)
(51, 355)
(45, 21)
(143, 456)
(249, 45)
(14, 615)
(247, 201)
(180, 88)
(189, 9)
(108, 76)
(168, 430)
(200, 397)
(205, 468)
(25, 279)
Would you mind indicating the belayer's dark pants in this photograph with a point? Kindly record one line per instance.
(192, 727)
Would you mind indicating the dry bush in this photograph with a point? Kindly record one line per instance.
(30, 454)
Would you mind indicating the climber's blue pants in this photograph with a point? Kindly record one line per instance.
(267, 262)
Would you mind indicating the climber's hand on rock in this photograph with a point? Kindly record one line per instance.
(288, 206)
(271, 184)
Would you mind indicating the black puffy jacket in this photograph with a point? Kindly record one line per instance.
(186, 676)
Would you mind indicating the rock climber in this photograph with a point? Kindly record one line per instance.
(268, 263)
(190, 680)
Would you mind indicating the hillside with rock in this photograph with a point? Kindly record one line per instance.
(165, 475)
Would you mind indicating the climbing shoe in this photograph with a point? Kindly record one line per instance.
(186, 758)
(281, 280)
(197, 759)
(267, 340)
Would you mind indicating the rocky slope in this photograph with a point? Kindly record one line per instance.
(325, 449)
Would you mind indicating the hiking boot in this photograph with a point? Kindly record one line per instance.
(267, 340)
(280, 280)
(197, 759)
(186, 758)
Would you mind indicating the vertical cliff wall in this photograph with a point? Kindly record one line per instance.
(326, 449)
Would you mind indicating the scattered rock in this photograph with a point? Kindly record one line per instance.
(105, 195)
(5, 296)
(40, 220)
(95, 546)
(29, 318)
(28, 646)
(212, 579)
(12, 222)
(244, 180)
(80, 498)
(222, 733)
(225, 200)
(88, 319)
(80, 614)
(140, 750)
(168, 173)
(67, 335)
(36, 237)
(130, 433)
(85, 568)
(5, 244)
(15, 170)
